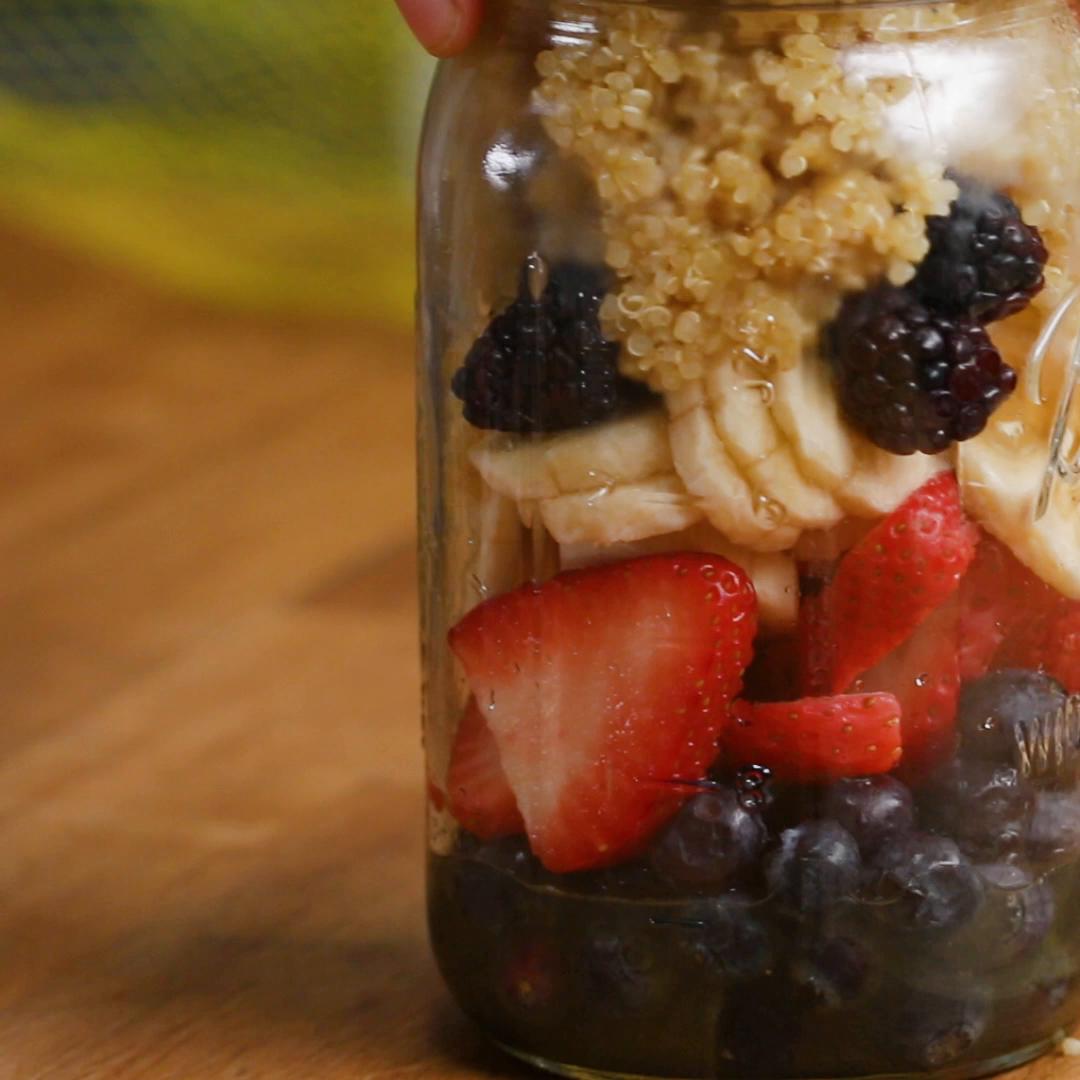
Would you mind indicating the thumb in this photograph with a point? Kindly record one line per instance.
(443, 27)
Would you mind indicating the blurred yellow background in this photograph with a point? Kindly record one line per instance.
(211, 825)
(256, 154)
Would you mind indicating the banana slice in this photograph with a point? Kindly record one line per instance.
(498, 562)
(1001, 486)
(742, 410)
(526, 467)
(710, 474)
(808, 413)
(882, 481)
(778, 478)
(1003, 470)
(622, 513)
(741, 413)
(775, 576)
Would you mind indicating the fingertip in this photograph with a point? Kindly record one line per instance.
(465, 26)
(443, 27)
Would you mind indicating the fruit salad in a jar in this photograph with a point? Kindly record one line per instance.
(751, 534)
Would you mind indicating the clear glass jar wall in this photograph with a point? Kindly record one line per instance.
(751, 544)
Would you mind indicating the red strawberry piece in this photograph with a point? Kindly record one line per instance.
(924, 676)
(1003, 606)
(817, 739)
(1056, 650)
(604, 688)
(903, 569)
(478, 794)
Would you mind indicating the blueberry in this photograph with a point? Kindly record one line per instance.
(924, 883)
(759, 1029)
(991, 709)
(1023, 908)
(1051, 994)
(484, 896)
(530, 979)
(728, 937)
(618, 970)
(713, 840)
(931, 1031)
(1016, 915)
(873, 809)
(816, 865)
(986, 807)
(832, 971)
(1054, 833)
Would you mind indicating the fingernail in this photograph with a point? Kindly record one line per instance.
(448, 39)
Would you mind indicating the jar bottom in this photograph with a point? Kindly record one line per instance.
(969, 1071)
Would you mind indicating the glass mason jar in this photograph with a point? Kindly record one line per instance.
(750, 543)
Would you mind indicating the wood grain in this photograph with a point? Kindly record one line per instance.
(210, 797)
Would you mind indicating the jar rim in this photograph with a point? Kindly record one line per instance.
(751, 6)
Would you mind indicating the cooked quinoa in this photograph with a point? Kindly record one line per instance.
(748, 176)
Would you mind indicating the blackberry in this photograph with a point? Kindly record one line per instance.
(911, 378)
(543, 364)
(984, 261)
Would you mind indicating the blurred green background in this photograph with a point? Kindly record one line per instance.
(256, 154)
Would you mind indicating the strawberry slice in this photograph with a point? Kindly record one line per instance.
(604, 688)
(1003, 606)
(903, 569)
(1062, 656)
(924, 676)
(1056, 650)
(817, 739)
(478, 793)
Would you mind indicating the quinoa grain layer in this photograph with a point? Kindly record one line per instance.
(749, 174)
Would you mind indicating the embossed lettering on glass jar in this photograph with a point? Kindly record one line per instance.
(749, 339)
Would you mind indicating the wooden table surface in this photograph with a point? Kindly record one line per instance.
(210, 797)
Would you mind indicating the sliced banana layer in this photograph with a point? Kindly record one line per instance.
(807, 412)
(1003, 471)
(605, 484)
(774, 575)
(499, 562)
(782, 483)
(732, 453)
(710, 474)
(743, 408)
(1001, 486)
(621, 514)
(621, 451)
(882, 481)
